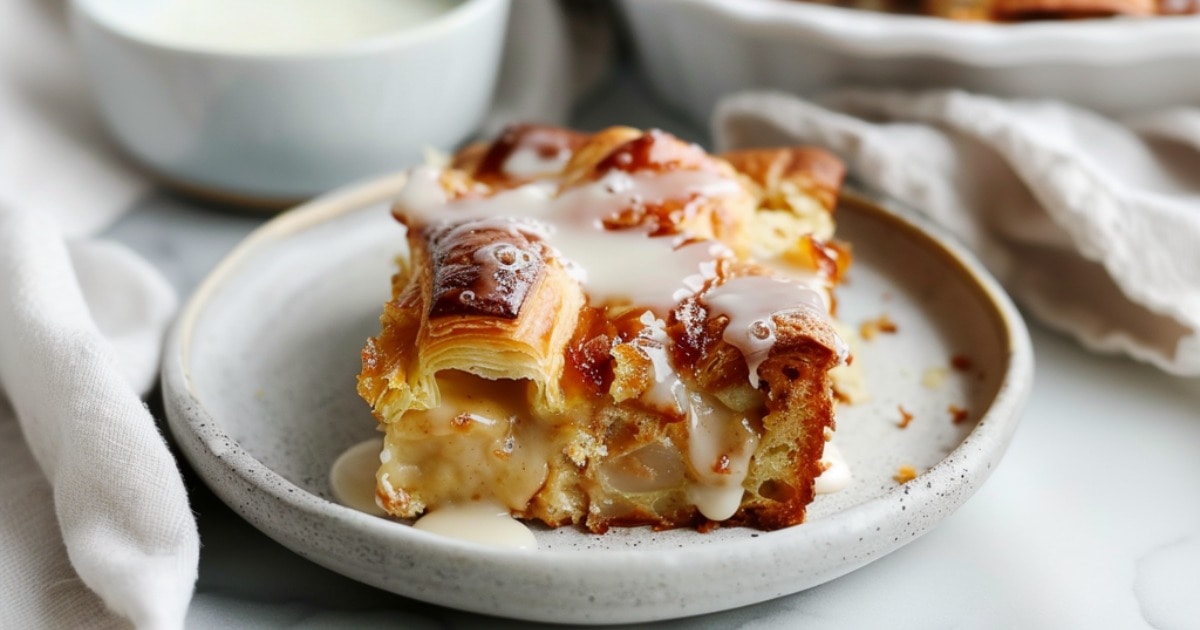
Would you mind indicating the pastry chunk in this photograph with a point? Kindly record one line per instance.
(610, 329)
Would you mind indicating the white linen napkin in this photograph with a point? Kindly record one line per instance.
(1093, 224)
(95, 529)
(111, 500)
(93, 501)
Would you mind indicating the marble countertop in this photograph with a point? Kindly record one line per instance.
(1091, 521)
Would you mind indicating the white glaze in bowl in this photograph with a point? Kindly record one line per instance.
(258, 379)
(287, 125)
(696, 51)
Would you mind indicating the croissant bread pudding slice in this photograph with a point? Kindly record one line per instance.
(595, 329)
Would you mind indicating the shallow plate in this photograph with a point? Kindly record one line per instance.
(259, 380)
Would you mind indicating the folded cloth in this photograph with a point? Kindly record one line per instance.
(1093, 224)
(96, 530)
(111, 498)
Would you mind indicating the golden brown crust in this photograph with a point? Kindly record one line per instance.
(486, 161)
(570, 422)
(961, 10)
(582, 165)
(813, 171)
(482, 268)
(1033, 9)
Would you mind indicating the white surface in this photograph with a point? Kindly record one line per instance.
(698, 50)
(1088, 523)
(292, 125)
(257, 399)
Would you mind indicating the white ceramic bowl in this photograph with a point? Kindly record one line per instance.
(696, 51)
(278, 126)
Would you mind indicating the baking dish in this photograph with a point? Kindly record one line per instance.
(695, 51)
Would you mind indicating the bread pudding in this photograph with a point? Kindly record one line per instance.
(610, 329)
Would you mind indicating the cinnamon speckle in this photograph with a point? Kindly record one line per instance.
(905, 417)
(960, 362)
(872, 327)
(461, 422)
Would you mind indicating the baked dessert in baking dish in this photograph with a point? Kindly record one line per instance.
(610, 329)
(1022, 10)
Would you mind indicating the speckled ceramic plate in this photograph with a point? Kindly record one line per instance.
(259, 378)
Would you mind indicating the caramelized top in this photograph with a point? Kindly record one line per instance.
(521, 153)
(483, 267)
(659, 236)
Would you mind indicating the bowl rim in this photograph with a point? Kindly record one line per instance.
(953, 479)
(1112, 41)
(455, 18)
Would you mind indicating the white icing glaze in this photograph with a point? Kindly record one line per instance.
(529, 159)
(422, 190)
(482, 522)
(751, 304)
(529, 162)
(720, 444)
(278, 25)
(352, 476)
(804, 277)
(665, 271)
(714, 431)
(837, 472)
(653, 343)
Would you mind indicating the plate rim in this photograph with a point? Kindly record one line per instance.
(202, 439)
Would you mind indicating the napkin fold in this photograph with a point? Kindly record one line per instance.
(110, 497)
(1091, 223)
(96, 530)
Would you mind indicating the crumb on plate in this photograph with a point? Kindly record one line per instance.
(905, 474)
(960, 362)
(934, 377)
(872, 327)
